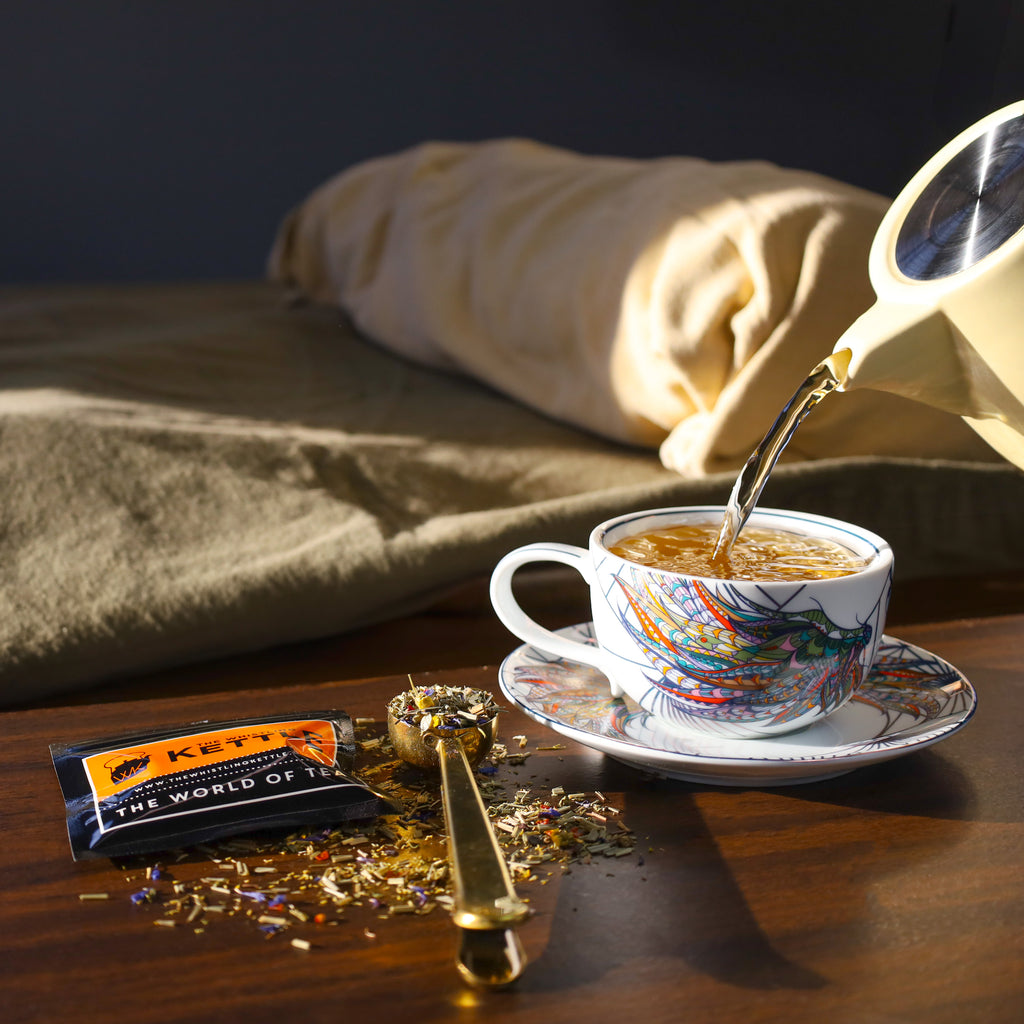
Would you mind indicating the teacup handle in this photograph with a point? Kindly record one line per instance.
(516, 620)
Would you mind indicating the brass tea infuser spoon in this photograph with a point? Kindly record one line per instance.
(452, 729)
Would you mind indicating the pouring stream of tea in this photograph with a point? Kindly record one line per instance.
(822, 380)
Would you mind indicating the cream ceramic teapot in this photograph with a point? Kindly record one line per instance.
(947, 267)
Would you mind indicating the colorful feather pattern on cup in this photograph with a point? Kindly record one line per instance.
(721, 648)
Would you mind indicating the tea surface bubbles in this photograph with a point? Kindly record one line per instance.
(758, 554)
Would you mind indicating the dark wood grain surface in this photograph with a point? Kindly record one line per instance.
(892, 894)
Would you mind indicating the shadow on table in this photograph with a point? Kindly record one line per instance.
(925, 784)
(675, 901)
(931, 784)
(679, 902)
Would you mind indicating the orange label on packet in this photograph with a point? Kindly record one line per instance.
(113, 771)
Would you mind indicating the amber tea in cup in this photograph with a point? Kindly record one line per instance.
(758, 554)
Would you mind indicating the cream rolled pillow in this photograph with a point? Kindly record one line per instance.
(672, 303)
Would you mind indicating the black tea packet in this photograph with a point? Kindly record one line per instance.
(167, 788)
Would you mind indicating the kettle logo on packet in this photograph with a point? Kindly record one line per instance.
(126, 765)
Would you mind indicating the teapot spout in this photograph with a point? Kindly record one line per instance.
(910, 351)
(923, 355)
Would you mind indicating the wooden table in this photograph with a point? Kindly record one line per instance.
(892, 894)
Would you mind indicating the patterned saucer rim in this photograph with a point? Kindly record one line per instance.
(778, 760)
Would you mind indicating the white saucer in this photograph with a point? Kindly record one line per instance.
(911, 700)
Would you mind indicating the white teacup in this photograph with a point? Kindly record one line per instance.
(728, 657)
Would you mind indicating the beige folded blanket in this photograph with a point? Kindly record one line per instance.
(672, 302)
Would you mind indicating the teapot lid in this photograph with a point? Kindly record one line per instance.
(970, 206)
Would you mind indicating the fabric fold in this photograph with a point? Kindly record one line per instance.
(672, 303)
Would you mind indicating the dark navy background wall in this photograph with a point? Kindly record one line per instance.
(159, 139)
